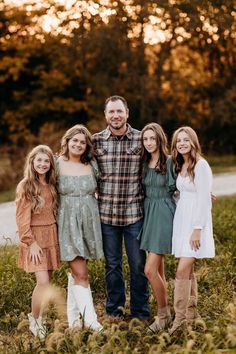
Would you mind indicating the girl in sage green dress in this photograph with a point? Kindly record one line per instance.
(159, 208)
(79, 227)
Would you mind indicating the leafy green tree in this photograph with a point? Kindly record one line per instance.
(173, 60)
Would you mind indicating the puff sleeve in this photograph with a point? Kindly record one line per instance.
(203, 184)
(95, 168)
(23, 219)
(170, 177)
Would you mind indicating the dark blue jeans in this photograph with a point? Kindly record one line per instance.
(115, 286)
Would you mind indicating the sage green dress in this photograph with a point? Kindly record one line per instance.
(159, 209)
(79, 227)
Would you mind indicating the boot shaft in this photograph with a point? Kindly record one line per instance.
(84, 300)
(181, 297)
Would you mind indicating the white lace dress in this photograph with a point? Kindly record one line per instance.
(194, 211)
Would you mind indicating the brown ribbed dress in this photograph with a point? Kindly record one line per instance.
(37, 227)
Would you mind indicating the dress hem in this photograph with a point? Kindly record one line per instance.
(78, 255)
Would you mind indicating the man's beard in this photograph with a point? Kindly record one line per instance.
(118, 127)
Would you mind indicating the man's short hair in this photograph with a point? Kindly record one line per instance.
(115, 98)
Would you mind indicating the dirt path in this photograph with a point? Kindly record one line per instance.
(223, 184)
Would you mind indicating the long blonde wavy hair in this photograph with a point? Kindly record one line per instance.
(30, 187)
(194, 155)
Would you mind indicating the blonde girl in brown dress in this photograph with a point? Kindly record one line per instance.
(36, 204)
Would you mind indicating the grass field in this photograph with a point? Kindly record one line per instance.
(7, 196)
(222, 164)
(216, 333)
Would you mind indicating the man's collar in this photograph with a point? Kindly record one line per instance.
(107, 133)
(128, 132)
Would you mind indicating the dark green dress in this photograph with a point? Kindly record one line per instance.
(159, 209)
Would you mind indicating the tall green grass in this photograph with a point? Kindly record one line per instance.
(217, 305)
(7, 196)
(221, 164)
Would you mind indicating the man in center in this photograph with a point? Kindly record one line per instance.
(120, 196)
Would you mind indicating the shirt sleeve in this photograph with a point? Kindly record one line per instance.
(203, 184)
(23, 219)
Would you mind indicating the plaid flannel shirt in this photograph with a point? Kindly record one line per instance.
(120, 194)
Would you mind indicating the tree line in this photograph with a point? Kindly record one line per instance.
(174, 62)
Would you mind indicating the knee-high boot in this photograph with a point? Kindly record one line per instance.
(73, 313)
(161, 321)
(84, 301)
(181, 299)
(192, 313)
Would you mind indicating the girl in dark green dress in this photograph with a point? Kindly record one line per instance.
(159, 208)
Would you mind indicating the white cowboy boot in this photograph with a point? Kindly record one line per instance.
(84, 300)
(36, 326)
(73, 313)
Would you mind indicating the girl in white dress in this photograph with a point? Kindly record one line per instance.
(192, 227)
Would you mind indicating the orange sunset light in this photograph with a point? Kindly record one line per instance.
(73, 10)
(62, 16)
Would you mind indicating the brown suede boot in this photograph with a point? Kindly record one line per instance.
(192, 313)
(161, 321)
(181, 299)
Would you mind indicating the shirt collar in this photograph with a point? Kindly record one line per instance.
(128, 132)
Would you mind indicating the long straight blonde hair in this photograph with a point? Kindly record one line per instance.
(30, 187)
